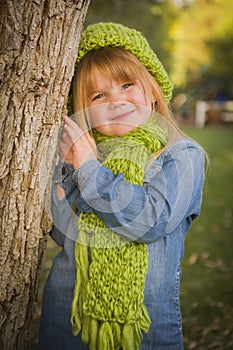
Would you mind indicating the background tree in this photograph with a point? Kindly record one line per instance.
(39, 41)
(193, 39)
(203, 49)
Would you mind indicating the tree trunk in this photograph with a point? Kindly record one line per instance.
(39, 42)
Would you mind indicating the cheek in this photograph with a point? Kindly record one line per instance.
(138, 97)
(98, 116)
(95, 121)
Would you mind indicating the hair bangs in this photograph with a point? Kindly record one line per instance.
(114, 63)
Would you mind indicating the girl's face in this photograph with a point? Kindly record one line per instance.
(117, 107)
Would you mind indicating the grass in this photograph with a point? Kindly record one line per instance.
(207, 287)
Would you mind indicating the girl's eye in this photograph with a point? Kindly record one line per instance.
(127, 85)
(97, 97)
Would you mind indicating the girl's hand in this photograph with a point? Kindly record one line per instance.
(76, 146)
(65, 151)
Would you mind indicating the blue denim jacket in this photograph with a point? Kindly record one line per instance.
(159, 213)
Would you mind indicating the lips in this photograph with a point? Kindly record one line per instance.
(122, 116)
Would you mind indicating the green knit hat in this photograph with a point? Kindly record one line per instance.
(112, 34)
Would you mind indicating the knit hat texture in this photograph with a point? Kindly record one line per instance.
(117, 35)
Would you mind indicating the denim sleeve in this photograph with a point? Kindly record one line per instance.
(171, 193)
(64, 217)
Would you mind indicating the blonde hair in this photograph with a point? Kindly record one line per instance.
(119, 65)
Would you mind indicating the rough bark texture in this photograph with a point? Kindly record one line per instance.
(38, 48)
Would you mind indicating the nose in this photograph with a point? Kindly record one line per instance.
(116, 104)
(116, 100)
(116, 96)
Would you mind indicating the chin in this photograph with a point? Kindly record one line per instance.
(116, 129)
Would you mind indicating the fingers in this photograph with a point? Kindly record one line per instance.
(71, 131)
(63, 147)
(76, 145)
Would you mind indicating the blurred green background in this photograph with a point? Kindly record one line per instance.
(194, 40)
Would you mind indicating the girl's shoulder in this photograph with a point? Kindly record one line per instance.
(180, 149)
(182, 144)
(180, 153)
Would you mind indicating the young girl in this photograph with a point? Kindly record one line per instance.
(125, 192)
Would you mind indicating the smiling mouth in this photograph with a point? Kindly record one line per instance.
(122, 116)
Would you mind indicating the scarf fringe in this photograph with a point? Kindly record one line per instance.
(82, 263)
(107, 335)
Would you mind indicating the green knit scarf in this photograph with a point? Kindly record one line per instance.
(109, 292)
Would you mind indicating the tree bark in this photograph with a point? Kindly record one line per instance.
(38, 48)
